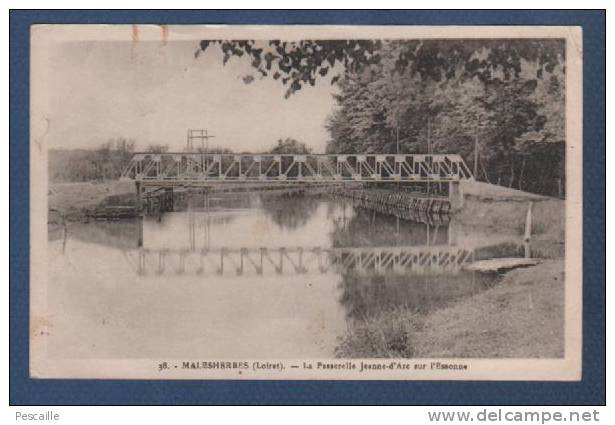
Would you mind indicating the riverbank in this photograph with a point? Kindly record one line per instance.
(521, 316)
(76, 201)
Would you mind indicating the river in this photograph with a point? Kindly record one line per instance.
(241, 276)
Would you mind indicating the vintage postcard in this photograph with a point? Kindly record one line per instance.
(306, 202)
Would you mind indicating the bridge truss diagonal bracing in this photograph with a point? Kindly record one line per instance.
(202, 167)
(259, 261)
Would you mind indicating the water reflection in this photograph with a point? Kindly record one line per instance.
(387, 260)
(289, 215)
(364, 297)
(290, 271)
(363, 227)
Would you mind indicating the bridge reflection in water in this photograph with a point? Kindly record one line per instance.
(219, 281)
(361, 245)
(361, 260)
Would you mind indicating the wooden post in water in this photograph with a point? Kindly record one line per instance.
(528, 232)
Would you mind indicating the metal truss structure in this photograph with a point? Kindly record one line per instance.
(424, 260)
(187, 167)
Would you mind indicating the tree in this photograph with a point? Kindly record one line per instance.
(296, 63)
(157, 148)
(124, 148)
(214, 149)
(513, 118)
(289, 146)
(507, 94)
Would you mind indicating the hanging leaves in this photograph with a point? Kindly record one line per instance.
(306, 61)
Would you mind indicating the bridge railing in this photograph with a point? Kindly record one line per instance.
(202, 167)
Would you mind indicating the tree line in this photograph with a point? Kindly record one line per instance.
(508, 127)
(109, 160)
(500, 103)
(80, 165)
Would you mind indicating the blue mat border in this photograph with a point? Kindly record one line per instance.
(589, 391)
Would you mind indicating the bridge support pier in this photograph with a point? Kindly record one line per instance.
(455, 196)
(138, 206)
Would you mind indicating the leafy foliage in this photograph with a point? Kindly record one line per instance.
(104, 163)
(157, 148)
(504, 97)
(289, 146)
(214, 149)
(296, 63)
(515, 117)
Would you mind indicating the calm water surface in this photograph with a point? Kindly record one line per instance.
(235, 277)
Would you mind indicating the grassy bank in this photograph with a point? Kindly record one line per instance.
(74, 201)
(521, 315)
(67, 196)
(501, 210)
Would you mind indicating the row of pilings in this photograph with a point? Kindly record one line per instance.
(386, 200)
(379, 199)
(158, 201)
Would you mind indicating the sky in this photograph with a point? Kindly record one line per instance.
(154, 91)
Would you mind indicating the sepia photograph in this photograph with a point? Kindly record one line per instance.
(305, 202)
